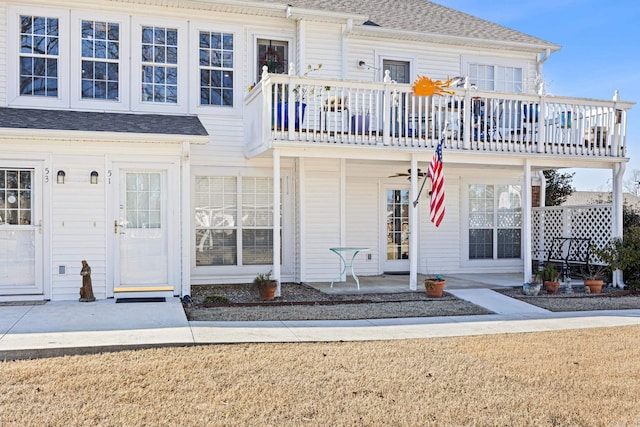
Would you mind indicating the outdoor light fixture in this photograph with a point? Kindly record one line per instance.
(94, 177)
(60, 177)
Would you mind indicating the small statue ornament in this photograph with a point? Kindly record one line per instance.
(86, 291)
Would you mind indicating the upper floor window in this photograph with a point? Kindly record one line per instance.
(100, 60)
(159, 65)
(216, 68)
(496, 77)
(39, 55)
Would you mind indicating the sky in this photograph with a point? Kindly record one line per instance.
(600, 54)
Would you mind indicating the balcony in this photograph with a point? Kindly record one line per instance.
(287, 110)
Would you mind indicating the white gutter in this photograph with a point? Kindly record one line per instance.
(372, 31)
(80, 135)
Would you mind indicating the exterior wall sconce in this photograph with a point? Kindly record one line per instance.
(94, 177)
(60, 177)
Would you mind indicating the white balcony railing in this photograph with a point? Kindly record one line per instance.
(284, 108)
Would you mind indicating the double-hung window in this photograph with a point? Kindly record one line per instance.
(159, 60)
(496, 77)
(216, 68)
(100, 60)
(495, 221)
(39, 56)
(234, 220)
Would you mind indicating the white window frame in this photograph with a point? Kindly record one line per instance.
(136, 65)
(194, 72)
(13, 56)
(464, 226)
(123, 103)
(497, 62)
(243, 271)
(252, 50)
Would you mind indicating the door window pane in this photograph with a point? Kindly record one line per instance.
(15, 196)
(274, 54)
(143, 202)
(397, 224)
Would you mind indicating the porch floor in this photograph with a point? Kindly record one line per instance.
(392, 283)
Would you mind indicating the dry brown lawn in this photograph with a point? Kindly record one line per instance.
(570, 378)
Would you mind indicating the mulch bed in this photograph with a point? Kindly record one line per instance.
(579, 300)
(302, 302)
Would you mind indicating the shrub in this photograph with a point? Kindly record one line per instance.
(216, 299)
(625, 255)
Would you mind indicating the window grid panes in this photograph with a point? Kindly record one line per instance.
(39, 51)
(15, 196)
(100, 60)
(159, 65)
(143, 198)
(257, 220)
(496, 77)
(495, 221)
(234, 220)
(216, 68)
(216, 225)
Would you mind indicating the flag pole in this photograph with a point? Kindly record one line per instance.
(415, 202)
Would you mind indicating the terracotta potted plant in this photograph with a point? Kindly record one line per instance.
(551, 278)
(594, 278)
(266, 285)
(434, 286)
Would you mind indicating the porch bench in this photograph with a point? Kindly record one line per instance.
(570, 252)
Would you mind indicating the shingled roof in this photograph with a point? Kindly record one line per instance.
(23, 118)
(420, 16)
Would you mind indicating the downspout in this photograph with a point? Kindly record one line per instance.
(526, 221)
(543, 189)
(541, 59)
(617, 215)
(346, 31)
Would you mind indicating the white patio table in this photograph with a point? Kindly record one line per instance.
(345, 264)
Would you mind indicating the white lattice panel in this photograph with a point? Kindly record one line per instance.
(592, 222)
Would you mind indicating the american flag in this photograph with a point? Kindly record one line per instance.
(437, 186)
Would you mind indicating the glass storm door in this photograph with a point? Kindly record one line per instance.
(20, 235)
(142, 229)
(397, 230)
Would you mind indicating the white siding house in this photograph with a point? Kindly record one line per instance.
(206, 173)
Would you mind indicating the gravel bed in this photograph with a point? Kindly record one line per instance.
(579, 299)
(301, 302)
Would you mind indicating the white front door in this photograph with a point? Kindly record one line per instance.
(145, 227)
(20, 232)
(396, 233)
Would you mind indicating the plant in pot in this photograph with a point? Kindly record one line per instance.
(266, 285)
(594, 278)
(302, 93)
(551, 278)
(434, 286)
(532, 288)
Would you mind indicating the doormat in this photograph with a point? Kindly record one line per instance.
(149, 299)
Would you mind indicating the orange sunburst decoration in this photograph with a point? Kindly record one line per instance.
(424, 86)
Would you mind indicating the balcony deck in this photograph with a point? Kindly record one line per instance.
(364, 114)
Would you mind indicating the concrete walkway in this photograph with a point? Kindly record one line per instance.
(62, 328)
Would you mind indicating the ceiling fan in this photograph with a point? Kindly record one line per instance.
(408, 174)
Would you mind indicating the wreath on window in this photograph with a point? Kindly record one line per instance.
(272, 60)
